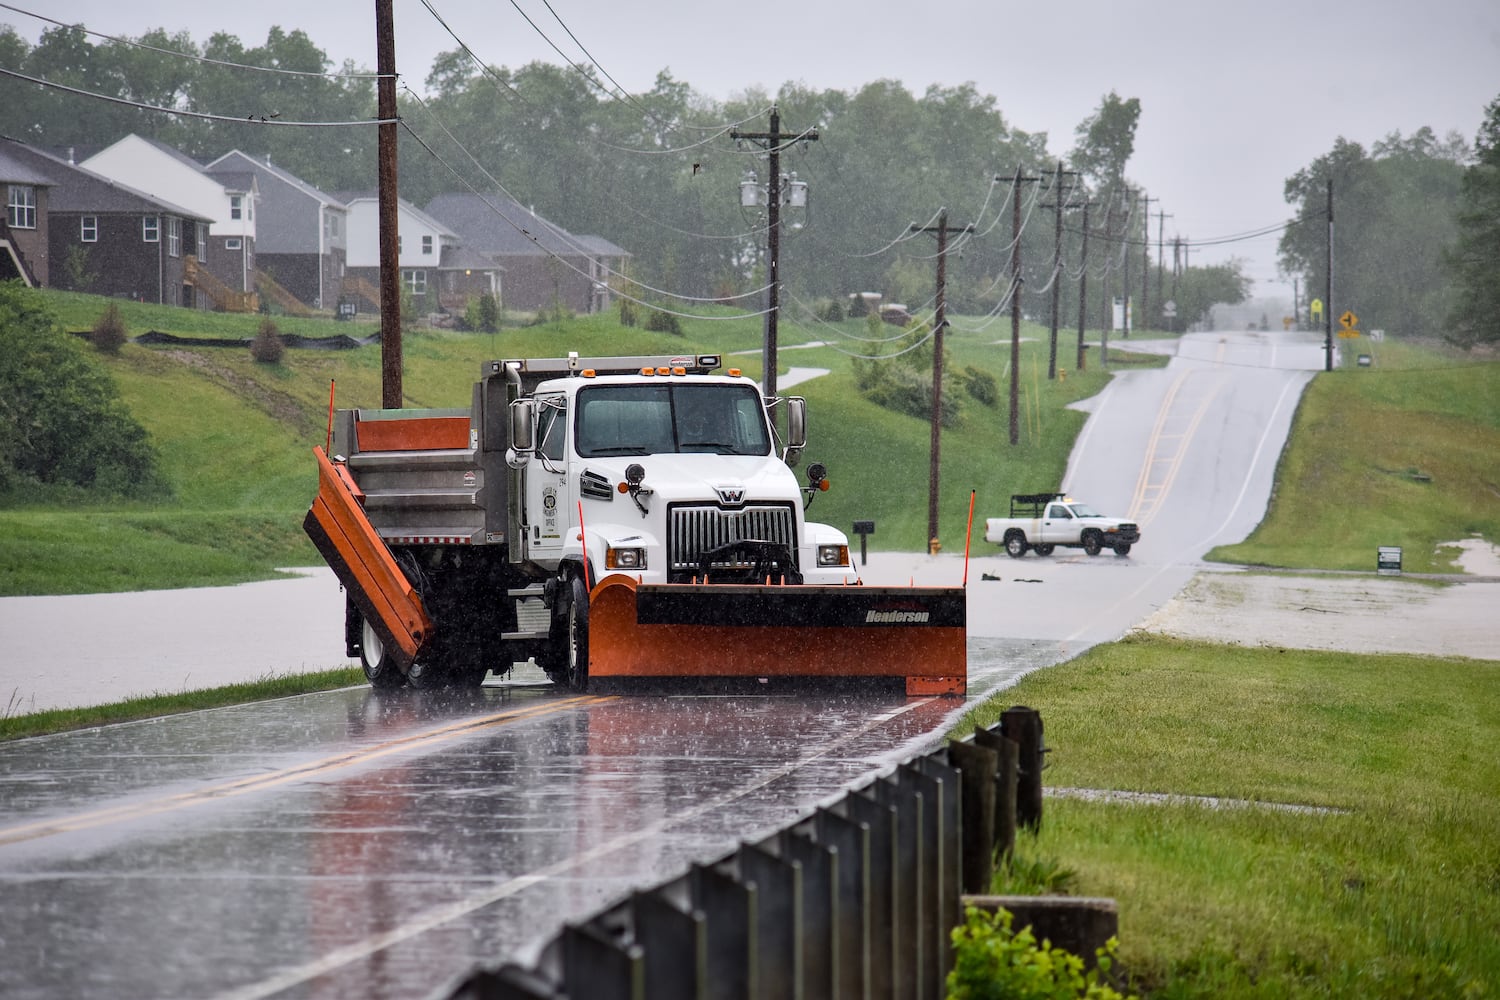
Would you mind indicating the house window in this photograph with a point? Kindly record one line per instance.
(233, 243)
(416, 281)
(201, 232)
(89, 229)
(427, 246)
(21, 210)
(151, 229)
(174, 236)
(236, 206)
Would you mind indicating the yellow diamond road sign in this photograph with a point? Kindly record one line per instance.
(1348, 320)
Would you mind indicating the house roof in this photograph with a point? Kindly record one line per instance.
(77, 190)
(233, 180)
(350, 197)
(237, 160)
(16, 171)
(500, 226)
(602, 246)
(460, 258)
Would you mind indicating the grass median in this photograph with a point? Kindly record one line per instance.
(1382, 881)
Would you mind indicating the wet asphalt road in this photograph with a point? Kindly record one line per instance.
(382, 844)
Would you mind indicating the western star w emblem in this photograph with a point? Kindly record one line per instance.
(733, 496)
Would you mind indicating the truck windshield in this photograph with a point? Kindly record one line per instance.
(1084, 510)
(671, 417)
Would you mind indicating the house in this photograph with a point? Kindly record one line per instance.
(301, 233)
(439, 274)
(543, 263)
(227, 201)
(100, 236)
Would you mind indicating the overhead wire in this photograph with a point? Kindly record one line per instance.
(252, 119)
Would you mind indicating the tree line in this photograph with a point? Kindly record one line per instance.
(658, 173)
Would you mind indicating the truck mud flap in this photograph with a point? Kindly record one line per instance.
(362, 561)
(915, 635)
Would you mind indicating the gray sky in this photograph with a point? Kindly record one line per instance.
(1234, 98)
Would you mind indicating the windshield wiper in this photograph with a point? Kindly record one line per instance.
(620, 449)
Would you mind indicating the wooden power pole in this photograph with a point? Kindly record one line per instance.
(390, 254)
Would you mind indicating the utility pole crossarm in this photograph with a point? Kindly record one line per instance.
(773, 141)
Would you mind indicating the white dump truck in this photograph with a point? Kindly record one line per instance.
(614, 519)
(1044, 521)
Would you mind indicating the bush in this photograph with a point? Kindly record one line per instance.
(830, 311)
(267, 347)
(63, 427)
(992, 962)
(663, 322)
(628, 314)
(981, 385)
(109, 334)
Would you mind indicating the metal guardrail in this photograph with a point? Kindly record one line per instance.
(854, 901)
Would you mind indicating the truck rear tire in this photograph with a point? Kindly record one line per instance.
(1092, 542)
(1015, 544)
(1043, 550)
(380, 669)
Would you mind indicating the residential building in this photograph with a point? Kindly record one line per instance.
(100, 236)
(436, 270)
(301, 233)
(228, 201)
(543, 263)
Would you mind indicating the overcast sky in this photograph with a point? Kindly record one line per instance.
(1234, 98)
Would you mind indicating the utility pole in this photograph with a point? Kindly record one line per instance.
(390, 254)
(1015, 303)
(772, 142)
(1057, 206)
(1161, 227)
(1083, 282)
(940, 320)
(1125, 262)
(1328, 290)
(1146, 256)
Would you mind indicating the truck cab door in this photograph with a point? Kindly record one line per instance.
(548, 499)
(1057, 526)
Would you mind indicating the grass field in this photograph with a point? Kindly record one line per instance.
(1393, 890)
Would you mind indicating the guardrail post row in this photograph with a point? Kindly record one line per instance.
(1009, 756)
(1024, 725)
(849, 842)
(729, 909)
(880, 821)
(979, 767)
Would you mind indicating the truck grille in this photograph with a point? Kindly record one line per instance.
(692, 531)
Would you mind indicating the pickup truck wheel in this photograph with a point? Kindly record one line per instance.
(1043, 550)
(1122, 549)
(1015, 544)
(380, 669)
(1092, 543)
(576, 663)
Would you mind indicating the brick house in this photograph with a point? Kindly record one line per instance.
(103, 237)
(228, 201)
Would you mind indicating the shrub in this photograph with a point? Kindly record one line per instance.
(981, 385)
(628, 314)
(63, 427)
(267, 347)
(992, 962)
(109, 334)
(663, 322)
(830, 311)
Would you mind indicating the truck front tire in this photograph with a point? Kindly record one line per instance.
(576, 636)
(1092, 542)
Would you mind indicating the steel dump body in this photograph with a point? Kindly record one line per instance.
(608, 518)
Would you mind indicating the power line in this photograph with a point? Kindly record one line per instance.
(254, 119)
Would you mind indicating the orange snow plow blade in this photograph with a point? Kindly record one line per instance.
(665, 632)
(364, 565)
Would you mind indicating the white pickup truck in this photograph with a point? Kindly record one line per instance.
(1043, 521)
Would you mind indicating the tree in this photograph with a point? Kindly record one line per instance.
(1393, 216)
(1474, 260)
(1106, 140)
(62, 424)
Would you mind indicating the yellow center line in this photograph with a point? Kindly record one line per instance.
(299, 772)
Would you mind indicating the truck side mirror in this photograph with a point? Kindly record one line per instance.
(796, 423)
(522, 431)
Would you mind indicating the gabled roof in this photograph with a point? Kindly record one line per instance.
(236, 181)
(500, 226)
(16, 171)
(171, 151)
(77, 190)
(350, 197)
(602, 247)
(238, 160)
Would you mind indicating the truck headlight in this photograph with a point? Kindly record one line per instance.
(625, 559)
(833, 555)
